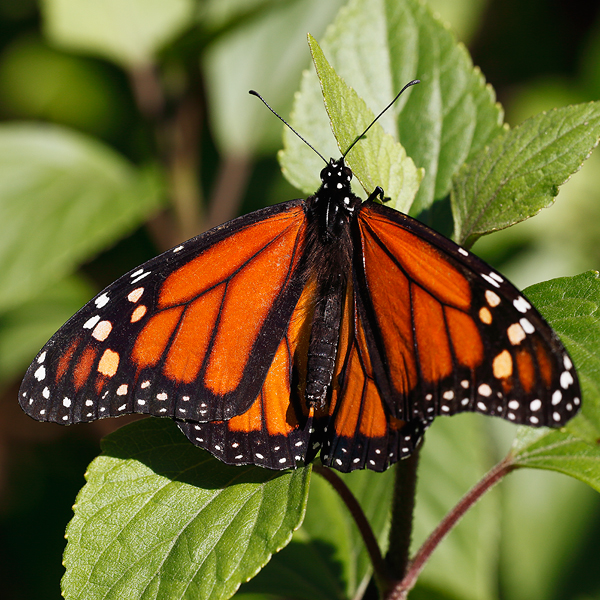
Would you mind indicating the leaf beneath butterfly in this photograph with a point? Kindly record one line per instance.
(520, 172)
(159, 518)
(63, 197)
(128, 32)
(377, 46)
(326, 557)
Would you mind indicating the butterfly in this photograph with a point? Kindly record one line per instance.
(322, 325)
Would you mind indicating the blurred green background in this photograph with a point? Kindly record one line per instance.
(163, 111)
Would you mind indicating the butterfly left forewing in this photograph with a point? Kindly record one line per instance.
(454, 334)
(189, 334)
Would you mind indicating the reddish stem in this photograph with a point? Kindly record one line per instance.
(401, 589)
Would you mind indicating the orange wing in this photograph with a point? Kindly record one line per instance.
(191, 334)
(446, 333)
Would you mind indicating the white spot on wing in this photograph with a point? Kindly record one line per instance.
(521, 304)
(566, 379)
(40, 373)
(484, 389)
(526, 325)
(91, 323)
(137, 279)
(492, 298)
(535, 405)
(490, 280)
(102, 301)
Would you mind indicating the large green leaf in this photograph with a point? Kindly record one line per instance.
(63, 197)
(128, 32)
(377, 46)
(518, 174)
(159, 518)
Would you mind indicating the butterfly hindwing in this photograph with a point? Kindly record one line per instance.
(276, 430)
(190, 334)
(453, 333)
(359, 429)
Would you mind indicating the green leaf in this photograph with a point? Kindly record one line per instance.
(27, 327)
(326, 558)
(559, 451)
(159, 518)
(376, 160)
(240, 123)
(455, 455)
(518, 174)
(63, 197)
(128, 32)
(377, 46)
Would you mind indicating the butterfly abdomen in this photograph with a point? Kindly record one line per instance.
(322, 349)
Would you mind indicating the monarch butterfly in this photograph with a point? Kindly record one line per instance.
(326, 325)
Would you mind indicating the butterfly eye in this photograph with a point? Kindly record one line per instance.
(325, 173)
(348, 173)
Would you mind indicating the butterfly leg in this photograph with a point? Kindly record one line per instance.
(378, 193)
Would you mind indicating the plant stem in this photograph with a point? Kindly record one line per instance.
(380, 571)
(415, 567)
(403, 504)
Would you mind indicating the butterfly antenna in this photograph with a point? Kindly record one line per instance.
(362, 135)
(287, 124)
